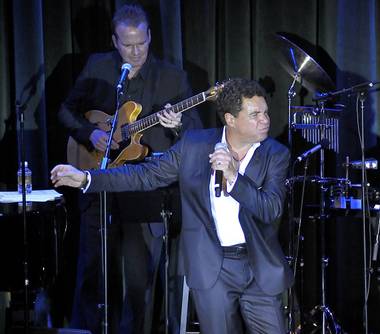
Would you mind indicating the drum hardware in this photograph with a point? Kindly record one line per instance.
(309, 121)
(357, 89)
(311, 322)
(308, 73)
(305, 70)
(346, 196)
(369, 163)
(320, 319)
(363, 164)
(327, 321)
(360, 92)
(300, 126)
(349, 196)
(315, 110)
(316, 179)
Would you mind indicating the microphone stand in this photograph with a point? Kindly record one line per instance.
(360, 90)
(290, 258)
(354, 89)
(361, 97)
(166, 214)
(327, 316)
(20, 114)
(103, 212)
(322, 218)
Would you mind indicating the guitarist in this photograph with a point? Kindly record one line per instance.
(150, 83)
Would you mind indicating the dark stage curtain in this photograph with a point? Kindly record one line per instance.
(44, 44)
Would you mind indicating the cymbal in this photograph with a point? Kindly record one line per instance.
(303, 67)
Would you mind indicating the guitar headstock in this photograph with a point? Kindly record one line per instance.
(213, 92)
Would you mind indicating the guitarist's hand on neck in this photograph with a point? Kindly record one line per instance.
(169, 119)
(99, 140)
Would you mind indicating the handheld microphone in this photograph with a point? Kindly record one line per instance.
(324, 143)
(125, 68)
(218, 184)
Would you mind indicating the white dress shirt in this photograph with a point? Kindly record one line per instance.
(225, 209)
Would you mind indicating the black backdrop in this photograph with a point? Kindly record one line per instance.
(44, 43)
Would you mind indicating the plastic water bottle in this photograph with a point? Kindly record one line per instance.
(28, 179)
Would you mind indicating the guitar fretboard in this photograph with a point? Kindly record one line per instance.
(142, 124)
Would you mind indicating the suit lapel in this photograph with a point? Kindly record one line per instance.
(258, 159)
(206, 175)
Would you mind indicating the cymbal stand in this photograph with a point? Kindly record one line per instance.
(323, 308)
(289, 307)
(291, 94)
(361, 96)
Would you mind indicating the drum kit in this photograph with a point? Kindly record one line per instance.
(319, 125)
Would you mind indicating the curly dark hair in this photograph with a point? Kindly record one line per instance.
(231, 97)
(132, 14)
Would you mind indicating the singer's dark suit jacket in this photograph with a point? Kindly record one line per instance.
(260, 192)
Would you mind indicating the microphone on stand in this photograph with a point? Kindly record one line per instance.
(125, 69)
(362, 87)
(324, 143)
(218, 184)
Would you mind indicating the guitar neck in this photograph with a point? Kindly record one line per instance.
(151, 120)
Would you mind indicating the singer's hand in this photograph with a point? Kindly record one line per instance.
(99, 139)
(67, 175)
(170, 119)
(223, 160)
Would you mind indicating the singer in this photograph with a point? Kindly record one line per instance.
(133, 247)
(232, 259)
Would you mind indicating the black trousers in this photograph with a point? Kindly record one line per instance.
(235, 304)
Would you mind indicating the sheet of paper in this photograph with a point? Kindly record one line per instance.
(34, 196)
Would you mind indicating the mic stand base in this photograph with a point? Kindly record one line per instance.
(313, 323)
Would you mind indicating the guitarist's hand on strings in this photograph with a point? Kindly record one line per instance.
(99, 139)
(170, 119)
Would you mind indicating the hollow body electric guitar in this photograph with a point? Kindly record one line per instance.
(128, 132)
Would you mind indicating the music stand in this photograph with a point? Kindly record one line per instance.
(164, 206)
